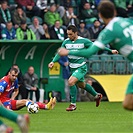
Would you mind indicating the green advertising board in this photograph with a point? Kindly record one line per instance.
(37, 54)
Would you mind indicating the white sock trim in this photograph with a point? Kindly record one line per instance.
(27, 103)
(73, 104)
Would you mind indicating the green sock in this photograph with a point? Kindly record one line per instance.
(73, 93)
(90, 89)
(8, 114)
(1, 122)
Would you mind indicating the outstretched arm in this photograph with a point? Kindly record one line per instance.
(83, 53)
(110, 50)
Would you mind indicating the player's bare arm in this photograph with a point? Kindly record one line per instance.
(15, 93)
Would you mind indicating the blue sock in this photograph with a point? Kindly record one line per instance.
(27, 103)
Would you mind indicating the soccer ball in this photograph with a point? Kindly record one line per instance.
(33, 108)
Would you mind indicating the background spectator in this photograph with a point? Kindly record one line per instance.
(121, 7)
(37, 28)
(57, 32)
(18, 16)
(130, 8)
(88, 14)
(12, 5)
(95, 30)
(51, 16)
(63, 61)
(9, 32)
(66, 3)
(29, 6)
(70, 18)
(82, 31)
(24, 33)
(5, 14)
(93, 3)
(60, 9)
(43, 6)
(46, 32)
(31, 83)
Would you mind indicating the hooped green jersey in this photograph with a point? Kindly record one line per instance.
(119, 33)
(80, 43)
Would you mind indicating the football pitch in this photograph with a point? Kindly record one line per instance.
(109, 117)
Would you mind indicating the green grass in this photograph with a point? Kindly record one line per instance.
(107, 118)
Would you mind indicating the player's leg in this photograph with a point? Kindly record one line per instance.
(80, 75)
(50, 105)
(87, 87)
(92, 91)
(21, 120)
(7, 113)
(24, 102)
(128, 101)
(73, 93)
(4, 128)
(18, 104)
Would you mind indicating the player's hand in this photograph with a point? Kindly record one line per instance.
(115, 52)
(51, 64)
(63, 52)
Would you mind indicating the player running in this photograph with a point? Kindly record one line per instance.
(119, 33)
(77, 66)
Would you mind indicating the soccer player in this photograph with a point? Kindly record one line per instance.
(21, 120)
(119, 33)
(78, 66)
(9, 86)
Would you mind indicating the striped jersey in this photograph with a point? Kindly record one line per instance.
(119, 33)
(6, 88)
(80, 43)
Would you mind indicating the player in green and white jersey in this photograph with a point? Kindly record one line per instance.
(119, 33)
(77, 66)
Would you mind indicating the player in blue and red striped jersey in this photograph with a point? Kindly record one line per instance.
(9, 86)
